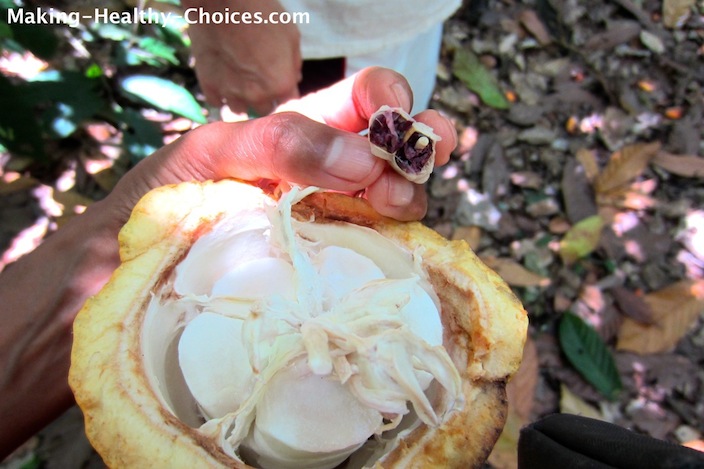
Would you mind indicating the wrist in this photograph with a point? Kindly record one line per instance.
(41, 294)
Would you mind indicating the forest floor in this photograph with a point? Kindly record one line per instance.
(578, 178)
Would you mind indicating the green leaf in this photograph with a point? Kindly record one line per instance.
(20, 132)
(163, 94)
(112, 32)
(589, 355)
(581, 239)
(173, 32)
(159, 49)
(31, 462)
(40, 40)
(467, 67)
(142, 137)
(94, 71)
(5, 30)
(68, 98)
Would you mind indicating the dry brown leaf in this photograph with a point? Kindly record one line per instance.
(625, 165)
(675, 310)
(514, 273)
(626, 197)
(618, 32)
(633, 306)
(471, 234)
(520, 392)
(588, 160)
(690, 166)
(676, 12)
(570, 403)
(530, 20)
(521, 389)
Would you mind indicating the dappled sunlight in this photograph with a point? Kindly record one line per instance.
(23, 65)
(25, 242)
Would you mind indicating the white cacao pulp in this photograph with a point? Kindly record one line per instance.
(294, 343)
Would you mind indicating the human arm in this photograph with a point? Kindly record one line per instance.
(248, 66)
(41, 293)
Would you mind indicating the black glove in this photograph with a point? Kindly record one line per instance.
(563, 441)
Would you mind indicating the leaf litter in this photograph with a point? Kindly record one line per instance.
(604, 151)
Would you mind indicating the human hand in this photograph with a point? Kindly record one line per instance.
(75, 262)
(250, 67)
(323, 150)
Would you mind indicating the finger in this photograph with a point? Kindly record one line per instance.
(442, 126)
(264, 97)
(348, 104)
(286, 147)
(394, 196)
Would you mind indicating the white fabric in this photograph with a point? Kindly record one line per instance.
(416, 59)
(344, 28)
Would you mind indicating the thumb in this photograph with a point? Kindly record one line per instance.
(286, 146)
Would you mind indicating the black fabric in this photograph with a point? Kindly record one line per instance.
(564, 441)
(319, 74)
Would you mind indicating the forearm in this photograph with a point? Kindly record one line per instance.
(40, 295)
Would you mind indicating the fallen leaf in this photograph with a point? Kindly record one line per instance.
(581, 239)
(633, 306)
(676, 12)
(626, 197)
(467, 67)
(530, 20)
(521, 389)
(577, 193)
(527, 179)
(588, 160)
(676, 309)
(588, 354)
(625, 165)
(559, 225)
(471, 234)
(570, 403)
(690, 166)
(652, 42)
(520, 392)
(514, 273)
(618, 32)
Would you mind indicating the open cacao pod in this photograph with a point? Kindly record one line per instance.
(302, 330)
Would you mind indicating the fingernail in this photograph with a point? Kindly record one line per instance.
(349, 157)
(401, 193)
(402, 98)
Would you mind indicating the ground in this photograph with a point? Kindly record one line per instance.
(578, 178)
